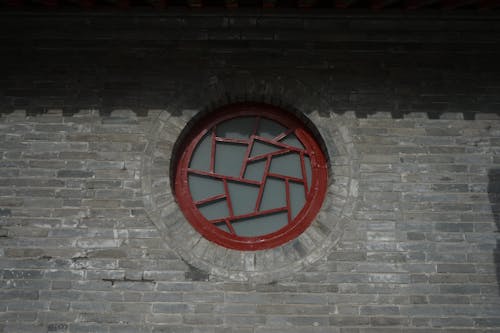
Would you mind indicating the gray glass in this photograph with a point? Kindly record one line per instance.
(292, 140)
(204, 187)
(243, 197)
(274, 195)
(269, 129)
(215, 210)
(307, 162)
(229, 158)
(255, 170)
(288, 165)
(260, 225)
(260, 148)
(223, 226)
(237, 128)
(201, 155)
(297, 197)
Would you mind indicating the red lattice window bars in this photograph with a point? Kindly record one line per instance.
(250, 176)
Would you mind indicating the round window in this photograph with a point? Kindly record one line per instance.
(250, 176)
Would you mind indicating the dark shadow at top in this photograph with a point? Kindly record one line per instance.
(105, 111)
(494, 197)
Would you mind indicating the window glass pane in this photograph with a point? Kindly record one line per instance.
(255, 170)
(238, 128)
(269, 129)
(307, 162)
(274, 195)
(297, 197)
(288, 165)
(229, 158)
(260, 148)
(223, 226)
(204, 187)
(260, 225)
(243, 197)
(214, 210)
(292, 140)
(201, 155)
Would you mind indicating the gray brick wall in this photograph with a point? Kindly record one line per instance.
(79, 252)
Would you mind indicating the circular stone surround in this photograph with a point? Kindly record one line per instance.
(263, 265)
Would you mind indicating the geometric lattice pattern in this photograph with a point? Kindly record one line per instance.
(249, 176)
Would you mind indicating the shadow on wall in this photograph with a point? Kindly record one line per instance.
(494, 196)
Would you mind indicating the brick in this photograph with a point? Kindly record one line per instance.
(388, 321)
(455, 268)
(291, 309)
(349, 321)
(379, 310)
(487, 322)
(245, 320)
(19, 294)
(445, 299)
(22, 274)
(172, 308)
(202, 319)
(454, 227)
(109, 318)
(173, 328)
(74, 174)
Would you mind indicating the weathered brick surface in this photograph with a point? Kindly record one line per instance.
(79, 253)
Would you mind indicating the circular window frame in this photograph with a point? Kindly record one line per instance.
(164, 131)
(313, 200)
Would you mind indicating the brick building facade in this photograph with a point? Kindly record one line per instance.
(92, 105)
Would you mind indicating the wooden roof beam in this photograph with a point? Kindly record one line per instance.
(344, 3)
(123, 4)
(489, 4)
(269, 3)
(306, 3)
(87, 4)
(416, 4)
(194, 3)
(159, 4)
(14, 3)
(381, 4)
(50, 3)
(453, 4)
(230, 4)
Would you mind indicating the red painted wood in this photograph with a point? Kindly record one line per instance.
(489, 4)
(245, 216)
(228, 198)
(304, 173)
(288, 205)
(219, 176)
(212, 155)
(247, 155)
(87, 4)
(342, 4)
(14, 3)
(50, 3)
(315, 192)
(207, 200)
(454, 4)
(262, 184)
(263, 156)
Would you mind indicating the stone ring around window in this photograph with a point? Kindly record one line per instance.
(253, 192)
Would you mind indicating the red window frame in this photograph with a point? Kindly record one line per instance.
(314, 197)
